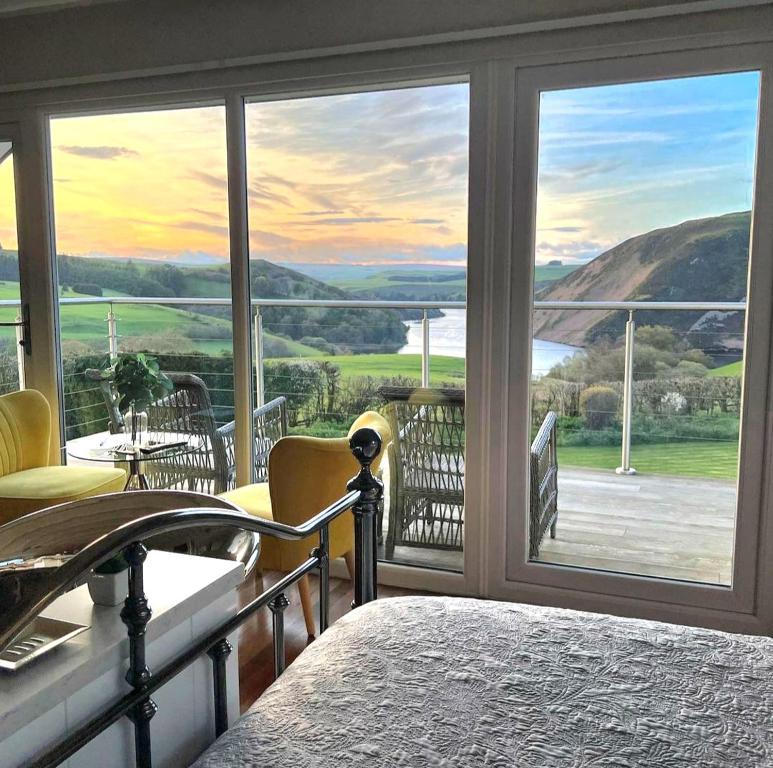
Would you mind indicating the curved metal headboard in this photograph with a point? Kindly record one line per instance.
(30, 580)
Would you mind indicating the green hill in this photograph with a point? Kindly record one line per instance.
(700, 260)
(430, 284)
(289, 330)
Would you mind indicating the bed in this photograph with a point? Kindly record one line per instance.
(422, 681)
(454, 682)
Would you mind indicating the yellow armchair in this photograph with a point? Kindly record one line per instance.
(305, 475)
(27, 482)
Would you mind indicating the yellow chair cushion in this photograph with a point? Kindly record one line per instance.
(255, 499)
(306, 474)
(41, 487)
(25, 431)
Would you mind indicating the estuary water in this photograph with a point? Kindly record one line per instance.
(447, 337)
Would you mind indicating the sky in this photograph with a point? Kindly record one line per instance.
(381, 177)
(7, 200)
(367, 178)
(618, 161)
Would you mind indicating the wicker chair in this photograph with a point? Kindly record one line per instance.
(188, 410)
(543, 486)
(426, 468)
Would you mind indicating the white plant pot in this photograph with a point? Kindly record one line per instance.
(109, 588)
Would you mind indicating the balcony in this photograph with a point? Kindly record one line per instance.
(644, 491)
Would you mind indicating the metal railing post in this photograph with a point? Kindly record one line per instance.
(324, 579)
(20, 350)
(260, 392)
(112, 333)
(625, 467)
(424, 349)
(277, 607)
(219, 654)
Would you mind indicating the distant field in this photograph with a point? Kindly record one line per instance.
(691, 459)
(442, 368)
(424, 281)
(410, 285)
(546, 274)
(731, 369)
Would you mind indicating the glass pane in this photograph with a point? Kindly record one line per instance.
(644, 195)
(11, 360)
(358, 198)
(142, 213)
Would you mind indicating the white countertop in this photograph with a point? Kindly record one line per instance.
(177, 586)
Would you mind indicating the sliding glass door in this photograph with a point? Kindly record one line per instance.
(643, 217)
(634, 215)
(358, 274)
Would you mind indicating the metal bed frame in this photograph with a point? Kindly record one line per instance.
(363, 496)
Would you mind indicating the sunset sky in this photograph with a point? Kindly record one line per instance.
(381, 177)
(367, 178)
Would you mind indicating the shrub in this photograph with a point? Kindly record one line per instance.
(90, 289)
(598, 406)
(319, 343)
(298, 382)
(691, 369)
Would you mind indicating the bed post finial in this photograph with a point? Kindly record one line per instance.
(365, 444)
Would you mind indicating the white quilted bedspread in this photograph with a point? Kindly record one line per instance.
(452, 683)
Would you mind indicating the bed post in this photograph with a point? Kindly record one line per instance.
(365, 444)
(136, 614)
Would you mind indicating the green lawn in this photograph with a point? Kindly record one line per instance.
(715, 459)
(441, 369)
(731, 369)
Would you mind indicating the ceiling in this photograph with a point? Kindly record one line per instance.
(19, 7)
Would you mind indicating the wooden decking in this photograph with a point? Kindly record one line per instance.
(654, 525)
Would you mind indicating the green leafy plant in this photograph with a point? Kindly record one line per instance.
(115, 564)
(138, 380)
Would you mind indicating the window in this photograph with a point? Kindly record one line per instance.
(141, 213)
(643, 211)
(358, 245)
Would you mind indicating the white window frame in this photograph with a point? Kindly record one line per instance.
(235, 97)
(510, 575)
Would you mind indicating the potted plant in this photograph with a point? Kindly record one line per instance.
(109, 583)
(139, 381)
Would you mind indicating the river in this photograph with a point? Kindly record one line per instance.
(447, 337)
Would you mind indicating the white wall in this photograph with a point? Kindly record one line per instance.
(94, 42)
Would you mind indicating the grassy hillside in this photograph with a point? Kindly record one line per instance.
(147, 326)
(329, 330)
(731, 369)
(701, 260)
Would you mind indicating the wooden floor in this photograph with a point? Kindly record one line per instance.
(654, 525)
(256, 654)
